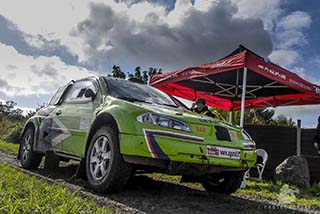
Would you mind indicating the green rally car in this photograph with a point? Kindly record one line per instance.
(115, 127)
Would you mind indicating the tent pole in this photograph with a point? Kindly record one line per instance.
(231, 113)
(243, 98)
(230, 116)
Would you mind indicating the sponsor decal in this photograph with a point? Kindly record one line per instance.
(300, 84)
(58, 132)
(84, 123)
(207, 121)
(273, 72)
(153, 146)
(221, 64)
(223, 152)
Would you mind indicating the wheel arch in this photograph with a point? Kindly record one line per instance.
(29, 124)
(102, 119)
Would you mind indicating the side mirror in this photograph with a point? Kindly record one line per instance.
(89, 93)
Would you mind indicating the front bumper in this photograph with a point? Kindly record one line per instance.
(181, 149)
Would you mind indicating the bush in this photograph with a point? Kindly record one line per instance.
(10, 131)
(14, 135)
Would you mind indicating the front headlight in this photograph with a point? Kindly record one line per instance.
(245, 135)
(164, 121)
(249, 144)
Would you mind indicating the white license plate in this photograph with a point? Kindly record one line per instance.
(223, 152)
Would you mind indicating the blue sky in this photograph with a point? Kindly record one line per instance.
(44, 44)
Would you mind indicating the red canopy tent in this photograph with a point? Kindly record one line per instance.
(238, 81)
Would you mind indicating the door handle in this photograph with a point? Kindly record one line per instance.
(58, 112)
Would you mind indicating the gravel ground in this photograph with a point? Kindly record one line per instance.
(146, 195)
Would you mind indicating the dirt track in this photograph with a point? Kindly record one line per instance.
(146, 195)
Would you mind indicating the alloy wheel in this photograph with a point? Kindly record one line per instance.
(100, 158)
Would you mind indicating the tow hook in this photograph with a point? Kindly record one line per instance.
(204, 158)
(245, 163)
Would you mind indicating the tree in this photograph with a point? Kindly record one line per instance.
(11, 121)
(282, 120)
(262, 116)
(153, 71)
(145, 77)
(117, 73)
(130, 75)
(137, 73)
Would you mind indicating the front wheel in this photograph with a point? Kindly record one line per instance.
(105, 167)
(29, 159)
(224, 183)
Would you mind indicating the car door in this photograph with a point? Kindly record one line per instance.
(73, 117)
(46, 115)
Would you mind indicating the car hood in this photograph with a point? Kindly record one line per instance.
(184, 115)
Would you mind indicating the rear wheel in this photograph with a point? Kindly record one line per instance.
(105, 167)
(29, 159)
(224, 183)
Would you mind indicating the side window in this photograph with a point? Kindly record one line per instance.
(77, 91)
(57, 95)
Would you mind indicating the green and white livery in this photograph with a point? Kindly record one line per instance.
(115, 127)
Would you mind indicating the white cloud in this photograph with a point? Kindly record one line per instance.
(290, 34)
(204, 5)
(291, 39)
(51, 19)
(267, 10)
(34, 75)
(139, 11)
(284, 58)
(295, 21)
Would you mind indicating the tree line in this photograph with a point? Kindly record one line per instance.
(144, 76)
(260, 116)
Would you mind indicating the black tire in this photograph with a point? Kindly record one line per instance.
(29, 159)
(223, 183)
(105, 168)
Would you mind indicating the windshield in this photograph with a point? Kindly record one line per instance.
(130, 91)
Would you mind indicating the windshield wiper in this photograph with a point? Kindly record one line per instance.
(132, 99)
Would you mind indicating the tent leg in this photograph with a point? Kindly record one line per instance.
(230, 116)
(298, 137)
(243, 98)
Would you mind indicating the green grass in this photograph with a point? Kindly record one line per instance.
(22, 193)
(175, 178)
(284, 194)
(9, 148)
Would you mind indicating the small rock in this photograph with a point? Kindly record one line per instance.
(293, 170)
